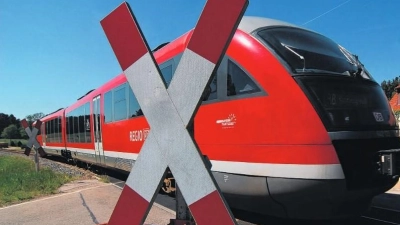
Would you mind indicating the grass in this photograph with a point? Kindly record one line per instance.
(23, 141)
(104, 178)
(19, 181)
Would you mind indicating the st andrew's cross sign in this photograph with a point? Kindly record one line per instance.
(169, 143)
(32, 142)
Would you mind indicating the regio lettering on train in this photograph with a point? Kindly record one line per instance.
(138, 135)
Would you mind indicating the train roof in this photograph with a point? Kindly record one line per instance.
(249, 24)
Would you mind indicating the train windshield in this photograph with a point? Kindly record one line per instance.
(307, 52)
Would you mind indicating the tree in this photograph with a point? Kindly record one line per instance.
(7, 120)
(10, 132)
(32, 118)
(4, 121)
(13, 120)
(389, 86)
(23, 133)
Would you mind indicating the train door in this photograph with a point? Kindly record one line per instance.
(98, 145)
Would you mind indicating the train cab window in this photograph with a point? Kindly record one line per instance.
(108, 107)
(120, 103)
(307, 52)
(134, 108)
(238, 82)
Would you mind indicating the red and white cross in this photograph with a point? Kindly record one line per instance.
(170, 111)
(32, 137)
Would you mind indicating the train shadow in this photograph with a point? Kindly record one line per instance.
(387, 201)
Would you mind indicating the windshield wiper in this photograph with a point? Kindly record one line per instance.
(353, 59)
(316, 71)
(297, 54)
(319, 71)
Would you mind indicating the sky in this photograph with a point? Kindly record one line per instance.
(53, 52)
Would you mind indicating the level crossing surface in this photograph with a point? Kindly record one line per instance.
(92, 202)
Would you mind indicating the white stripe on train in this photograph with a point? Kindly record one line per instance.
(299, 171)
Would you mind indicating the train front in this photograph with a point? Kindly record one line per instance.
(356, 115)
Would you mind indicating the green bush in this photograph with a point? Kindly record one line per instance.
(12, 143)
(19, 143)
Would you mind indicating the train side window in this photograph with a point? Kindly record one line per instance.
(47, 131)
(87, 123)
(55, 139)
(67, 126)
(81, 121)
(134, 108)
(70, 128)
(167, 70)
(120, 103)
(56, 130)
(167, 74)
(108, 104)
(75, 116)
(48, 135)
(51, 131)
(238, 82)
(59, 130)
(210, 92)
(42, 132)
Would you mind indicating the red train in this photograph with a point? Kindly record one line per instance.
(293, 124)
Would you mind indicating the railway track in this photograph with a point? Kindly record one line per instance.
(375, 216)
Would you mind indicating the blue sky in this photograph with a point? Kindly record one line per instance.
(53, 52)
